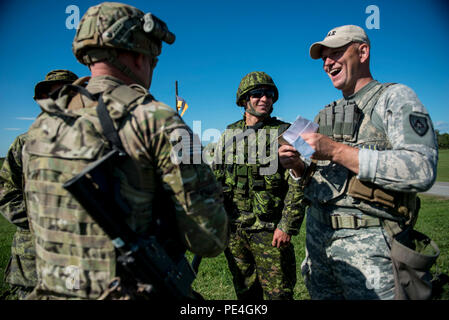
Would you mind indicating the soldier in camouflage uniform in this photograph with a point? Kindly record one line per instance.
(260, 255)
(20, 273)
(75, 259)
(376, 148)
(54, 80)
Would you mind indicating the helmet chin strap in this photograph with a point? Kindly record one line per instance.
(253, 111)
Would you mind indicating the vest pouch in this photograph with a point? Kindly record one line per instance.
(256, 181)
(413, 254)
(242, 171)
(325, 128)
(338, 123)
(369, 192)
(401, 204)
(352, 116)
(242, 185)
(241, 194)
(22, 265)
(327, 183)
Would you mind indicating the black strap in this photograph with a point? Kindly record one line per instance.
(108, 126)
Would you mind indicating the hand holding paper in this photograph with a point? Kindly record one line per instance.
(292, 136)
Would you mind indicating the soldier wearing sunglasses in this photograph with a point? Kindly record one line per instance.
(262, 219)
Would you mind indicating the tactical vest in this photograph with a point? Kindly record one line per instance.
(258, 199)
(333, 186)
(75, 258)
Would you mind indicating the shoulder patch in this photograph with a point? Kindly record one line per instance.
(419, 124)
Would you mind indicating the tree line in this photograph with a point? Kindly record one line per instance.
(443, 139)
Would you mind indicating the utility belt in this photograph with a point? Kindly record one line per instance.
(344, 219)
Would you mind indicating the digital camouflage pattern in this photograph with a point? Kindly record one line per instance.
(256, 205)
(20, 273)
(411, 164)
(253, 80)
(54, 77)
(392, 155)
(75, 258)
(260, 271)
(347, 263)
(378, 140)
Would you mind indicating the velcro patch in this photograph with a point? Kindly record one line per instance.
(419, 124)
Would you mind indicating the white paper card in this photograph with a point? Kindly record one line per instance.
(293, 135)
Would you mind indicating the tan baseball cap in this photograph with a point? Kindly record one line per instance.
(339, 37)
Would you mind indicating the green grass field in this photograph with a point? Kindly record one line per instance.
(214, 280)
(443, 165)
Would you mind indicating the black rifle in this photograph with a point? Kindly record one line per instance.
(145, 259)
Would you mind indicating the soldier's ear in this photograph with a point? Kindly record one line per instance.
(364, 51)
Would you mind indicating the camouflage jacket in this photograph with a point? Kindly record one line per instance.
(65, 138)
(21, 269)
(12, 204)
(259, 193)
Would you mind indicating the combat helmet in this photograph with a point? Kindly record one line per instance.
(251, 81)
(109, 26)
(54, 76)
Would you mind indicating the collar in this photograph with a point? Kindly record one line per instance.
(102, 83)
(359, 94)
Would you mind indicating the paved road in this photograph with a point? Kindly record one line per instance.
(439, 189)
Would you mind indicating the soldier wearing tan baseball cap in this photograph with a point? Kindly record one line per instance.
(339, 37)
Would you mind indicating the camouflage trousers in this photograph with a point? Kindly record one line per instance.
(259, 270)
(349, 264)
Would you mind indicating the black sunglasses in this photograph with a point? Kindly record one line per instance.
(259, 93)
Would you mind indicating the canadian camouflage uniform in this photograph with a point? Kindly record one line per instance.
(349, 233)
(20, 272)
(257, 204)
